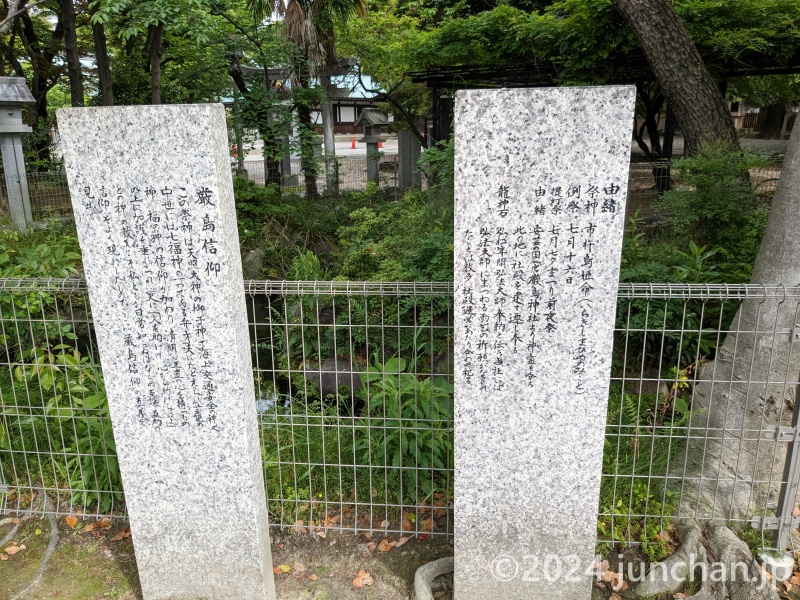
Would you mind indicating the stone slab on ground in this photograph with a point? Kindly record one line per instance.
(540, 183)
(153, 201)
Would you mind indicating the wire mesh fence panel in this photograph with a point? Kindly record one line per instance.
(355, 401)
(355, 404)
(57, 453)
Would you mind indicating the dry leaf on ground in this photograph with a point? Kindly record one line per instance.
(385, 523)
(313, 577)
(362, 578)
(72, 521)
(299, 567)
(3, 556)
(401, 541)
(125, 533)
(386, 545)
(12, 550)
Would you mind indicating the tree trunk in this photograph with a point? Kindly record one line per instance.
(773, 121)
(307, 162)
(156, 53)
(71, 47)
(746, 388)
(698, 104)
(103, 66)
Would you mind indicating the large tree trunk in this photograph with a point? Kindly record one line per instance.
(747, 388)
(155, 45)
(73, 58)
(103, 66)
(676, 63)
(773, 121)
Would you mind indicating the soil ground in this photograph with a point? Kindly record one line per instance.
(94, 565)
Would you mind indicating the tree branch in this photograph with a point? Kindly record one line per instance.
(14, 10)
(403, 112)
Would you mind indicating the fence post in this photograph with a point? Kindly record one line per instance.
(791, 480)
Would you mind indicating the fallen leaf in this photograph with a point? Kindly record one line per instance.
(3, 556)
(679, 595)
(298, 527)
(768, 575)
(37, 532)
(407, 525)
(16, 520)
(385, 545)
(313, 577)
(125, 533)
(88, 528)
(277, 570)
(12, 550)
(282, 569)
(788, 586)
(384, 524)
(401, 541)
(608, 576)
(795, 580)
(615, 596)
(371, 547)
(439, 512)
(362, 578)
(427, 524)
(104, 523)
(423, 536)
(322, 534)
(72, 521)
(367, 536)
(299, 567)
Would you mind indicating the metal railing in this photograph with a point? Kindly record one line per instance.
(50, 195)
(355, 405)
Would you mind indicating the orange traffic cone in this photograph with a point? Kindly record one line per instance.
(353, 144)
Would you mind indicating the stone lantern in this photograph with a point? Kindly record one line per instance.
(372, 119)
(14, 94)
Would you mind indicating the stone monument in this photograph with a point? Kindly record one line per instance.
(153, 201)
(540, 186)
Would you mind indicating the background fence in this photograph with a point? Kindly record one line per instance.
(355, 404)
(50, 195)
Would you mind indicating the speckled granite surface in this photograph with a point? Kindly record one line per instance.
(541, 178)
(153, 201)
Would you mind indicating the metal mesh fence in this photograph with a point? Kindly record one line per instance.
(355, 405)
(48, 192)
(351, 174)
(50, 195)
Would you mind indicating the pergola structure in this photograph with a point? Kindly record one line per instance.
(620, 70)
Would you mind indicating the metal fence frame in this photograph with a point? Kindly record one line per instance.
(327, 490)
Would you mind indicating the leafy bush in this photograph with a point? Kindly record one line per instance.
(64, 423)
(407, 429)
(719, 207)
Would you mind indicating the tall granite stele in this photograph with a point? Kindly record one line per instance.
(153, 200)
(540, 182)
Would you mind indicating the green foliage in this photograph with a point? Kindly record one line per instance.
(408, 428)
(642, 435)
(717, 207)
(397, 242)
(65, 423)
